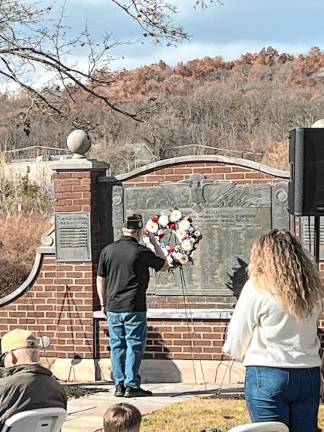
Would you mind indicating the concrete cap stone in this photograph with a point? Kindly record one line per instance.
(78, 142)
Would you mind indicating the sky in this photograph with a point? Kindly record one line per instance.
(226, 30)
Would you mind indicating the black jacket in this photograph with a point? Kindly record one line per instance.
(27, 387)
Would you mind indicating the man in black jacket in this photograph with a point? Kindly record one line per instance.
(26, 384)
(122, 281)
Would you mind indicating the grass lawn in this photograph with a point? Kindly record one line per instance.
(198, 414)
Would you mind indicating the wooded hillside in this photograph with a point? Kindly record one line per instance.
(243, 108)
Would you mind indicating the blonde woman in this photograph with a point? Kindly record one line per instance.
(273, 331)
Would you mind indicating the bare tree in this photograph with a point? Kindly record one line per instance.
(34, 38)
(155, 18)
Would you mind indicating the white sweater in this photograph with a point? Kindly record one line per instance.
(260, 333)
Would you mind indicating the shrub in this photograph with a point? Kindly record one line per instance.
(19, 238)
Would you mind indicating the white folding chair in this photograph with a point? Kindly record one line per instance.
(37, 420)
(261, 427)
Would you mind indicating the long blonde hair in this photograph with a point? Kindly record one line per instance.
(280, 265)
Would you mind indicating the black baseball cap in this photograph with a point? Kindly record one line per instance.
(134, 222)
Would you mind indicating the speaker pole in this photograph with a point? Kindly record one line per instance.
(317, 238)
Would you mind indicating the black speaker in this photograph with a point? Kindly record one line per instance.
(306, 160)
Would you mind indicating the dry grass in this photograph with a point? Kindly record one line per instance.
(24, 217)
(19, 238)
(276, 155)
(20, 195)
(198, 414)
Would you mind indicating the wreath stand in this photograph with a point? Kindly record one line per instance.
(189, 321)
(157, 225)
(194, 340)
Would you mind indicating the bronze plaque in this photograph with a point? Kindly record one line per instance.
(72, 237)
(230, 217)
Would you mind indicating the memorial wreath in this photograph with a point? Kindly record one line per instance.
(186, 236)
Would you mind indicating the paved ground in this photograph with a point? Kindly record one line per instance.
(85, 414)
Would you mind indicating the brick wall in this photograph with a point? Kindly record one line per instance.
(191, 302)
(179, 339)
(58, 305)
(61, 301)
(76, 191)
(211, 170)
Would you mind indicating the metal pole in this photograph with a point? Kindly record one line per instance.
(96, 349)
(317, 238)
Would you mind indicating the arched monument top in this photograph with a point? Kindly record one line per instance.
(244, 163)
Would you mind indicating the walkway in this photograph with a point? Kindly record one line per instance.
(86, 413)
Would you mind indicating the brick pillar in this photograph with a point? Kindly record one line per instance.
(77, 190)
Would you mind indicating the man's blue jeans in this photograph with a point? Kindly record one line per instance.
(127, 333)
(290, 396)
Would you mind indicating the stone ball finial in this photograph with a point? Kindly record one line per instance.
(78, 142)
(318, 124)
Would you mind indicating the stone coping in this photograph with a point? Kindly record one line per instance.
(180, 314)
(245, 163)
(79, 165)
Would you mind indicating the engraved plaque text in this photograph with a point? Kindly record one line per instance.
(72, 232)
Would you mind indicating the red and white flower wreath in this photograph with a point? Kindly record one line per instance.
(187, 236)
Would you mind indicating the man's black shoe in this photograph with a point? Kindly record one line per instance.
(120, 390)
(136, 392)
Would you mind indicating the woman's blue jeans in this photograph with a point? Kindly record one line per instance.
(287, 395)
(127, 334)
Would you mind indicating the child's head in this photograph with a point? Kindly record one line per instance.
(122, 417)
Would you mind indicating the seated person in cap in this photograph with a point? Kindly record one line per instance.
(122, 281)
(26, 384)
